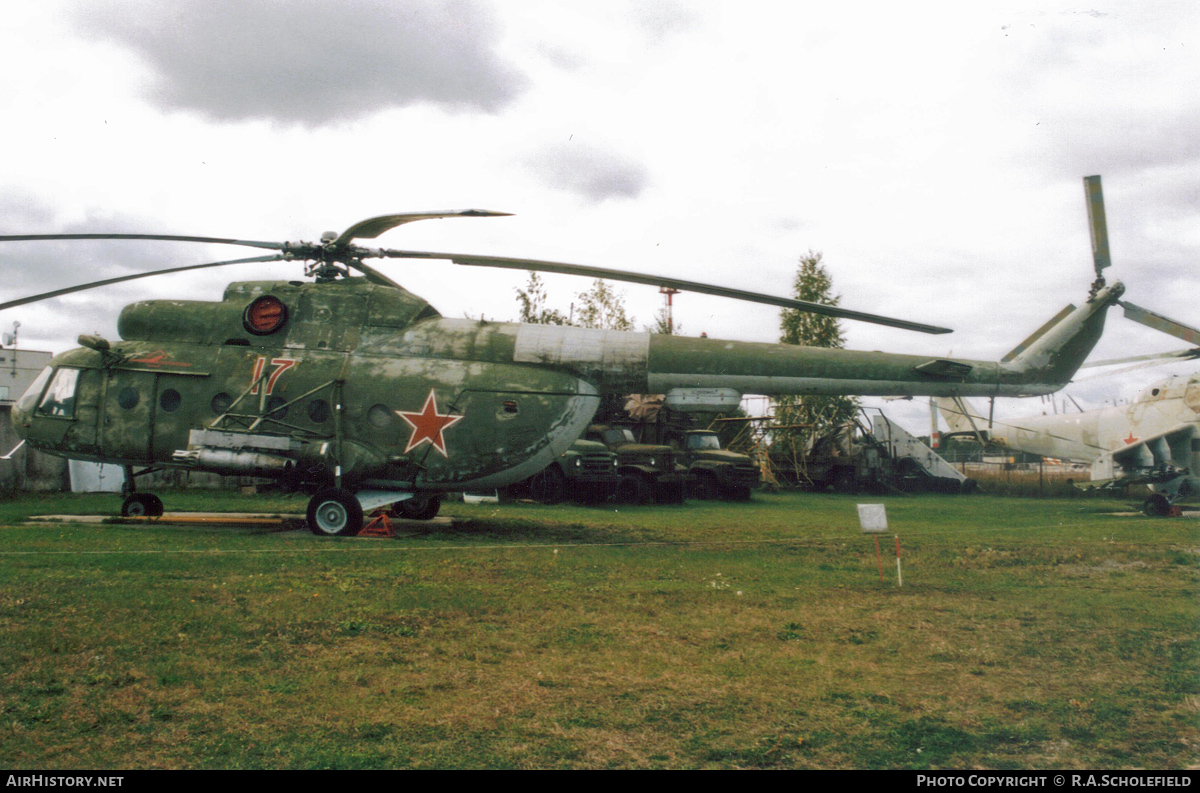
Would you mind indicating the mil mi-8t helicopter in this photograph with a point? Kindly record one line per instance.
(357, 391)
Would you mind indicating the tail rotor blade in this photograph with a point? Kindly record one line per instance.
(1097, 223)
(1157, 321)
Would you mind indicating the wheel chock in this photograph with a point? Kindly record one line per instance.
(380, 526)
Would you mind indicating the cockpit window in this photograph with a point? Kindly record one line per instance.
(29, 398)
(60, 396)
(700, 441)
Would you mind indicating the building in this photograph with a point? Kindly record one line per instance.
(25, 470)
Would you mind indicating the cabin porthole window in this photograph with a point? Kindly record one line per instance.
(276, 409)
(318, 411)
(128, 398)
(221, 403)
(170, 400)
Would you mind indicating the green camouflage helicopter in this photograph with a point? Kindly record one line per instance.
(357, 391)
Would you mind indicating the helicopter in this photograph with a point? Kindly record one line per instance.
(1155, 440)
(357, 392)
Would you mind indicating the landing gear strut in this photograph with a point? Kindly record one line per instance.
(138, 504)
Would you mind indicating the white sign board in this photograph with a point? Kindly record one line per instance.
(872, 518)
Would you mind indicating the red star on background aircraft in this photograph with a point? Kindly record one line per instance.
(1130, 439)
(428, 425)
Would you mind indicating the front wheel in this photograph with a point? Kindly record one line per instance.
(335, 513)
(142, 505)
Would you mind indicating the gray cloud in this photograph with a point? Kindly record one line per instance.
(592, 173)
(312, 62)
(44, 265)
(662, 18)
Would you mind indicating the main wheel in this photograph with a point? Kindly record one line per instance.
(335, 512)
(142, 505)
(418, 508)
(1157, 506)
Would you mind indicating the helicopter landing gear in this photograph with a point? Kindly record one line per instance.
(417, 508)
(142, 505)
(1157, 506)
(335, 512)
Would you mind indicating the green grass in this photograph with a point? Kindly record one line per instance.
(1028, 634)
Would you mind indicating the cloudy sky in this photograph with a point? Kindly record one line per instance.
(932, 152)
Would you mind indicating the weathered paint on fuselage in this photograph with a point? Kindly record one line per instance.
(183, 363)
(381, 390)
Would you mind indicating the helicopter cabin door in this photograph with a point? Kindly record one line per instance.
(147, 414)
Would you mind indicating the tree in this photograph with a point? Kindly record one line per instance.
(602, 307)
(813, 330)
(663, 324)
(532, 300)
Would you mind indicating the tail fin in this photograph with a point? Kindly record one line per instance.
(1056, 350)
(961, 416)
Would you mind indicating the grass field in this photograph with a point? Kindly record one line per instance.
(1028, 634)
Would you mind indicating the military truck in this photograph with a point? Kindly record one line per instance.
(586, 472)
(647, 471)
(715, 472)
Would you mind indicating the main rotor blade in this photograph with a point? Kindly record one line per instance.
(92, 285)
(661, 281)
(167, 237)
(373, 227)
(1097, 222)
(1159, 322)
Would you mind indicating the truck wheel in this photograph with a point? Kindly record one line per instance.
(142, 504)
(547, 486)
(633, 489)
(671, 494)
(844, 481)
(741, 493)
(705, 487)
(418, 508)
(335, 512)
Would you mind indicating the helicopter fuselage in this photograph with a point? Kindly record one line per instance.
(366, 386)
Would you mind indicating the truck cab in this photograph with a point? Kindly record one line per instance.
(715, 472)
(648, 471)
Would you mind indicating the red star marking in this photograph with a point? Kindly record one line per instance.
(1130, 439)
(428, 425)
